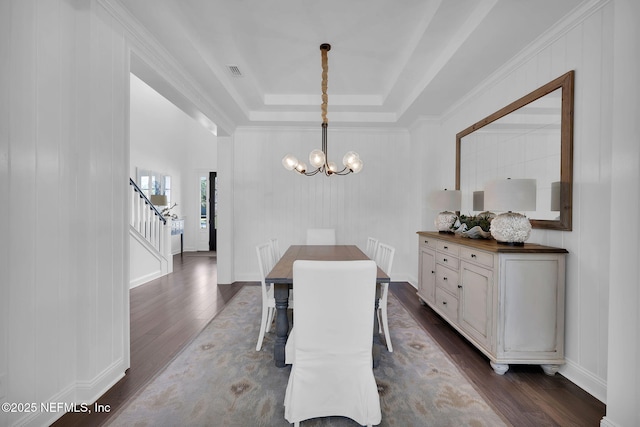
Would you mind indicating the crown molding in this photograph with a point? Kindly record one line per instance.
(559, 30)
(144, 45)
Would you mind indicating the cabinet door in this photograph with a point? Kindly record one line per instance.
(427, 279)
(476, 302)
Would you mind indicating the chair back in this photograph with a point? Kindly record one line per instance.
(372, 246)
(332, 371)
(265, 264)
(384, 257)
(321, 236)
(348, 287)
(275, 251)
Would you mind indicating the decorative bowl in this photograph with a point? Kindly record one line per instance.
(474, 233)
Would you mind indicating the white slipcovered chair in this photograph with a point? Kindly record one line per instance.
(331, 351)
(321, 236)
(266, 263)
(384, 259)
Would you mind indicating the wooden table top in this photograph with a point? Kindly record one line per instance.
(283, 271)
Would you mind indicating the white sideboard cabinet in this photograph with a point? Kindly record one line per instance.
(506, 300)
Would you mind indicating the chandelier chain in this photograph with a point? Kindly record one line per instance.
(325, 74)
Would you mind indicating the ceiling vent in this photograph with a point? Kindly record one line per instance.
(234, 70)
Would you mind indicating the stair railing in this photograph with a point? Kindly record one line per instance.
(147, 220)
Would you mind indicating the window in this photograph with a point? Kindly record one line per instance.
(152, 183)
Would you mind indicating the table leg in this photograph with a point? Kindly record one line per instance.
(281, 295)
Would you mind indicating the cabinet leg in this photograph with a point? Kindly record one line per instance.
(499, 368)
(550, 369)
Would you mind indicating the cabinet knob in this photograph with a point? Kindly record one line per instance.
(444, 259)
(444, 303)
(433, 272)
(459, 286)
(444, 278)
(473, 255)
(446, 247)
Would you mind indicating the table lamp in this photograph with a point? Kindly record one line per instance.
(507, 196)
(478, 205)
(447, 201)
(555, 196)
(478, 201)
(159, 200)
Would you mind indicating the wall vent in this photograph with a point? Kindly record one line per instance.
(234, 70)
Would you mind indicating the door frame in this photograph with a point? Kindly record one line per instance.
(211, 213)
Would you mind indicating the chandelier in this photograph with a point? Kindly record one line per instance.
(318, 158)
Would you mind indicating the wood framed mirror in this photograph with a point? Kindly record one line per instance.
(530, 138)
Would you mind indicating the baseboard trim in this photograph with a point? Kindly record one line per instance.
(146, 278)
(82, 395)
(593, 385)
(605, 422)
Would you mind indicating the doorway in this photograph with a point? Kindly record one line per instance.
(207, 236)
(213, 210)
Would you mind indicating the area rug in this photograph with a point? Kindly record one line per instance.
(219, 379)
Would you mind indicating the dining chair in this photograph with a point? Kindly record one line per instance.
(266, 263)
(332, 363)
(321, 236)
(275, 250)
(372, 246)
(384, 259)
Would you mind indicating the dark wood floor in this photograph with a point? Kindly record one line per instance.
(524, 396)
(167, 313)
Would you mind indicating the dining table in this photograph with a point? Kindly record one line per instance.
(281, 276)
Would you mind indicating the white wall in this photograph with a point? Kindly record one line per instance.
(269, 201)
(623, 374)
(166, 140)
(64, 333)
(585, 46)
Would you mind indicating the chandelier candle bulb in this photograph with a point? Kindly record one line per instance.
(301, 167)
(289, 162)
(356, 166)
(316, 158)
(349, 158)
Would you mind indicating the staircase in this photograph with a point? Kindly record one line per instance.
(149, 239)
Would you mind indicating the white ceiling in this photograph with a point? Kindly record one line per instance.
(391, 62)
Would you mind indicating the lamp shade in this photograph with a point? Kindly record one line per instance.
(446, 200)
(510, 195)
(478, 200)
(555, 196)
(159, 200)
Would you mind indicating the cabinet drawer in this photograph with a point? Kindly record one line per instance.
(427, 242)
(447, 247)
(447, 304)
(448, 260)
(479, 257)
(447, 279)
